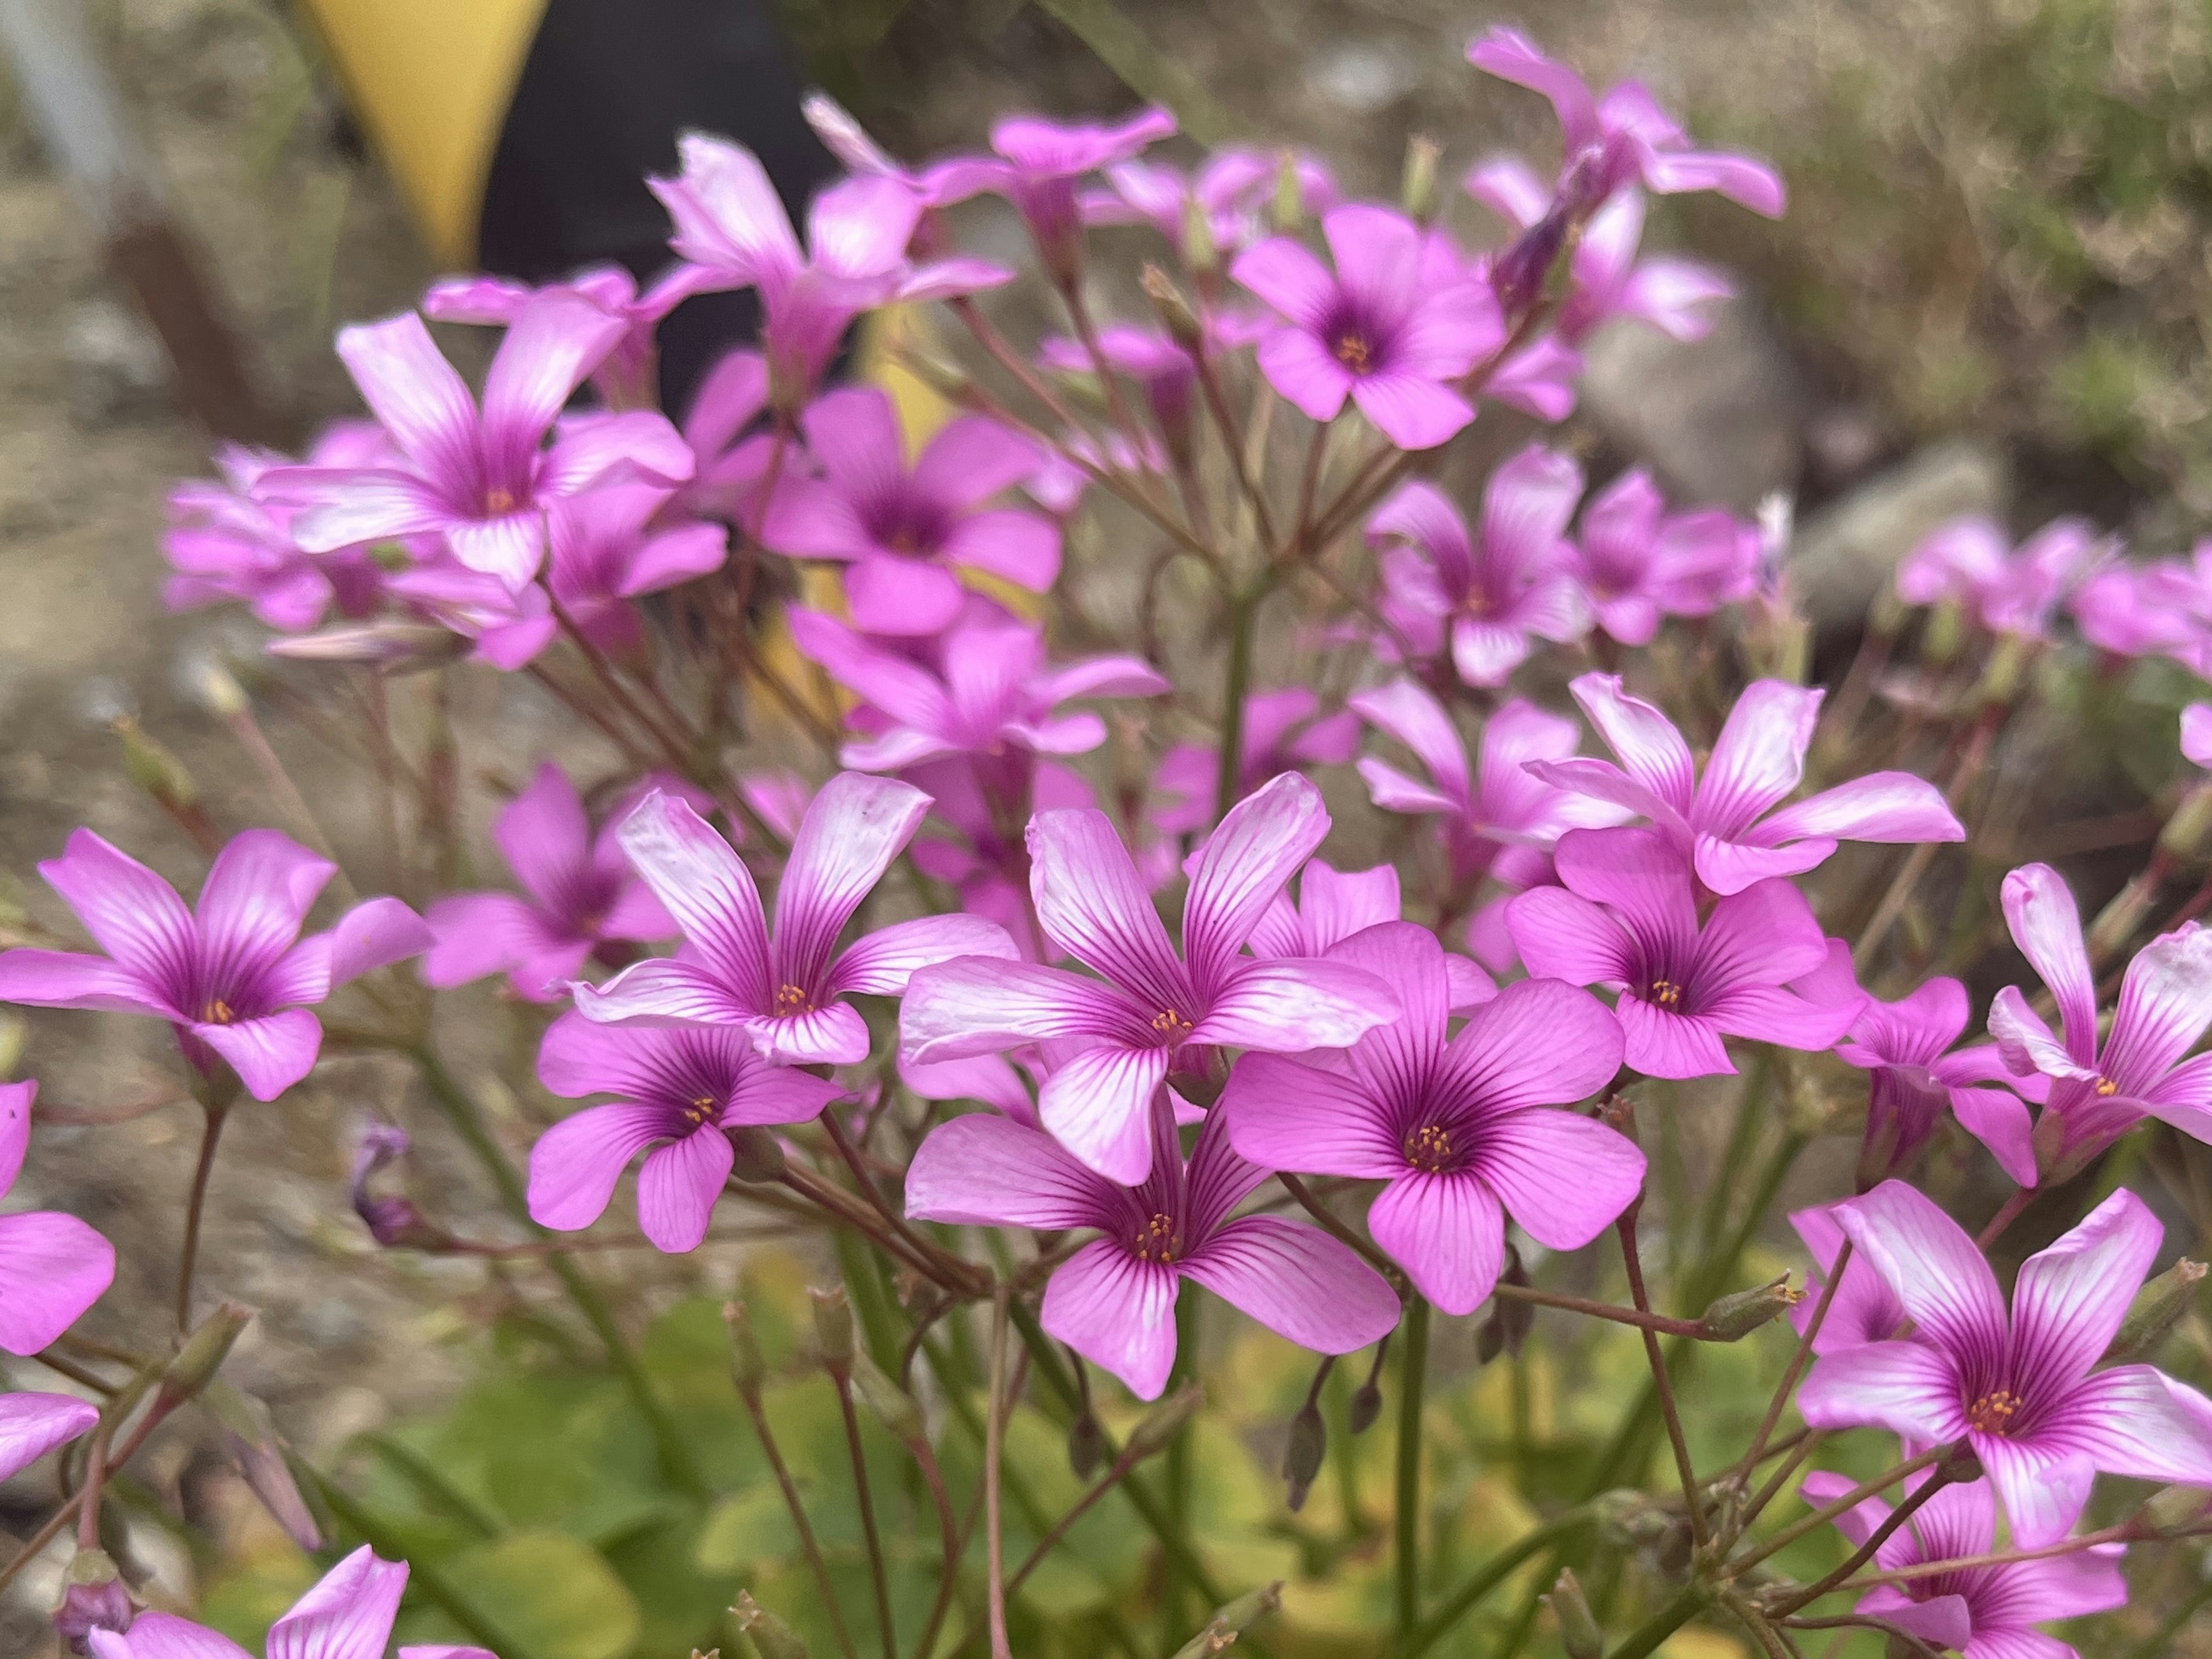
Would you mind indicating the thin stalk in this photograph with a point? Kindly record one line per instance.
(897, 1222)
(1413, 1373)
(2126, 1532)
(80, 1375)
(2006, 1214)
(1209, 385)
(294, 804)
(994, 1437)
(1780, 1403)
(1670, 1413)
(953, 1536)
(195, 1208)
(1645, 1639)
(1642, 1319)
(1228, 788)
(1865, 1553)
(1827, 1512)
(1789, 1465)
(878, 1574)
(1484, 1579)
(792, 1501)
(1082, 1506)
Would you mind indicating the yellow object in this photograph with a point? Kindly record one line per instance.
(430, 81)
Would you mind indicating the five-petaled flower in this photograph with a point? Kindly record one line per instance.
(1114, 1300)
(235, 978)
(1460, 1127)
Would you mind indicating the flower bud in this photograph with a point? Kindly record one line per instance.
(93, 1597)
(1417, 186)
(211, 681)
(2176, 1506)
(1173, 310)
(392, 646)
(1578, 1631)
(154, 769)
(748, 1370)
(1737, 1315)
(2188, 831)
(833, 1327)
(2157, 1309)
(1087, 1446)
(757, 1154)
(203, 1352)
(1301, 1455)
(1364, 1407)
(1199, 252)
(1163, 1422)
(1289, 206)
(249, 1434)
(771, 1637)
(893, 1405)
(1517, 276)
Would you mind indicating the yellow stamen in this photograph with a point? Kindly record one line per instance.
(1993, 1412)
(1429, 1148)
(791, 1000)
(1156, 1242)
(1171, 1025)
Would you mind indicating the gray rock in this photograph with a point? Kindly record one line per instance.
(1845, 554)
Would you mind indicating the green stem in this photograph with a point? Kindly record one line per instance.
(1486, 1578)
(1413, 1373)
(1243, 610)
(1645, 1639)
(2153, 1645)
(461, 1111)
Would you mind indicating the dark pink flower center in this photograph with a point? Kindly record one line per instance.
(1361, 341)
(906, 524)
(1430, 1150)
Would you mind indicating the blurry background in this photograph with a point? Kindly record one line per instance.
(1989, 294)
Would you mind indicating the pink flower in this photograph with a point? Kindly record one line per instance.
(787, 991)
(1622, 136)
(1726, 819)
(509, 627)
(897, 530)
(1333, 906)
(730, 462)
(1284, 731)
(1035, 167)
(611, 546)
(1983, 1613)
(679, 1088)
(1163, 371)
(52, 1267)
(1114, 1301)
(1153, 1004)
(1863, 1309)
(1456, 1126)
(2007, 590)
(235, 978)
(2021, 1390)
(1627, 918)
(1501, 818)
(625, 377)
(1232, 192)
(347, 1616)
(2140, 610)
(1391, 329)
(1637, 562)
(32, 1425)
(579, 896)
(2100, 1088)
(1914, 1073)
(1489, 600)
(997, 699)
(480, 479)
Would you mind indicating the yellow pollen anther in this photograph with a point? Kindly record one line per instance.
(1353, 351)
(1666, 992)
(1429, 1148)
(790, 999)
(2106, 1086)
(1171, 1025)
(701, 1109)
(1157, 1240)
(499, 501)
(1993, 1412)
(219, 1013)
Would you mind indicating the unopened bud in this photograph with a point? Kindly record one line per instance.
(1518, 274)
(2187, 832)
(1417, 186)
(249, 1434)
(1364, 1407)
(893, 1405)
(215, 685)
(1199, 252)
(1302, 1454)
(1173, 310)
(1087, 1446)
(748, 1370)
(2176, 1506)
(1290, 209)
(833, 1326)
(391, 647)
(771, 1637)
(1163, 1422)
(1222, 1629)
(1737, 1315)
(2157, 1309)
(2001, 680)
(153, 767)
(203, 1352)
(756, 1156)
(1578, 1631)
(93, 1597)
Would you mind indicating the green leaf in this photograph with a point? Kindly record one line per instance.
(750, 1528)
(557, 1597)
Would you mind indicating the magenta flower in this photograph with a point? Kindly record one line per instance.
(1627, 919)
(1114, 1300)
(1456, 1126)
(2007, 590)
(679, 1088)
(1284, 731)
(731, 461)
(1605, 278)
(2020, 1390)
(1726, 819)
(508, 627)
(481, 479)
(608, 549)
(1487, 600)
(1502, 819)
(223, 543)
(235, 978)
(996, 700)
(579, 898)
(1620, 137)
(1395, 325)
(2098, 1088)
(1983, 1613)
(898, 530)
(1153, 1006)
(52, 1267)
(349, 1614)
(1332, 905)
(788, 990)
(1863, 1309)
(1914, 1073)
(32, 1425)
(1233, 191)
(1162, 370)
(1035, 167)
(2140, 610)
(1637, 562)
(625, 377)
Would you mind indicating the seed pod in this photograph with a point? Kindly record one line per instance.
(203, 1352)
(747, 1368)
(1737, 1315)
(1417, 186)
(1302, 1454)
(833, 1326)
(1087, 1446)
(2157, 1309)
(1578, 1630)
(757, 1154)
(1173, 310)
(1163, 1422)
(771, 1637)
(1290, 209)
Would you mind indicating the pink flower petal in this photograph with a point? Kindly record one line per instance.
(347, 1616)
(1297, 1281)
(881, 964)
(1447, 1231)
(269, 1054)
(706, 889)
(1098, 1106)
(986, 1171)
(52, 1267)
(1117, 1312)
(576, 1163)
(32, 1425)
(678, 1187)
